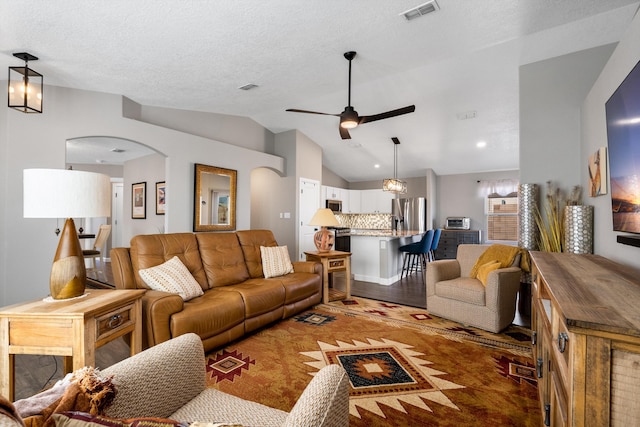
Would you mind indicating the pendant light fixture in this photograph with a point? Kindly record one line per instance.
(395, 185)
(25, 86)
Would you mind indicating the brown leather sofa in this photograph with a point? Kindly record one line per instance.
(237, 298)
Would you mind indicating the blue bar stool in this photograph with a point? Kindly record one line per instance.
(416, 254)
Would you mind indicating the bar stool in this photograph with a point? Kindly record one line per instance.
(434, 244)
(416, 254)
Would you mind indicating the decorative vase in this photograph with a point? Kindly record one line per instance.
(578, 229)
(528, 230)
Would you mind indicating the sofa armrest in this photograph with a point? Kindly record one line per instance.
(122, 269)
(159, 380)
(324, 402)
(437, 271)
(502, 287)
(157, 309)
(307, 267)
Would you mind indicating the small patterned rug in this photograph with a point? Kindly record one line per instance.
(401, 372)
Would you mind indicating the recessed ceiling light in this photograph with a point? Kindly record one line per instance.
(481, 144)
(376, 166)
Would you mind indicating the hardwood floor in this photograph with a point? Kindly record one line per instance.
(35, 373)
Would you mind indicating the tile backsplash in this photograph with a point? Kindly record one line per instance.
(365, 221)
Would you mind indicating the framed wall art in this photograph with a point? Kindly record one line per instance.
(598, 173)
(139, 200)
(161, 202)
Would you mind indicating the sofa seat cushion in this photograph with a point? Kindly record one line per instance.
(222, 259)
(215, 406)
(462, 289)
(299, 286)
(209, 315)
(259, 295)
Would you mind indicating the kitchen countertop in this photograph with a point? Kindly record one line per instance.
(383, 233)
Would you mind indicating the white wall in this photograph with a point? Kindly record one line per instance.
(551, 93)
(594, 135)
(460, 195)
(148, 169)
(38, 140)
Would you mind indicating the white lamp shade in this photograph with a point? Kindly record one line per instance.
(324, 217)
(61, 193)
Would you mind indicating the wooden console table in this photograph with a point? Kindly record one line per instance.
(70, 328)
(586, 339)
(333, 261)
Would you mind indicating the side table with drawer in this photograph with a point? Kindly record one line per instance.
(72, 328)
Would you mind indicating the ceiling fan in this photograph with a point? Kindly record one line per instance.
(349, 118)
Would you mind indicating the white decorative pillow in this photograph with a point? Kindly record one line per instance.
(172, 276)
(275, 261)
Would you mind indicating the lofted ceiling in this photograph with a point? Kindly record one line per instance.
(458, 66)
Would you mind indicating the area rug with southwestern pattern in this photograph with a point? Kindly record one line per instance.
(405, 367)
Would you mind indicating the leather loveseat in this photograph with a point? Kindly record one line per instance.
(237, 298)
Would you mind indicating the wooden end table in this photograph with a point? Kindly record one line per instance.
(333, 261)
(70, 328)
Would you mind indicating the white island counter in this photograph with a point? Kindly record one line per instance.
(375, 256)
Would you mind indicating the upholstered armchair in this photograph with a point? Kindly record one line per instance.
(454, 295)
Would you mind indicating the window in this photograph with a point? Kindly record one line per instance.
(502, 217)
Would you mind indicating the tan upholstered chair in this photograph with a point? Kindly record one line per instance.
(452, 294)
(98, 250)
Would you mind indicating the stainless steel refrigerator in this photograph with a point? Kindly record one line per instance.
(409, 214)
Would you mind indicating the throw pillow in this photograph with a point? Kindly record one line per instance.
(485, 269)
(84, 419)
(275, 261)
(172, 276)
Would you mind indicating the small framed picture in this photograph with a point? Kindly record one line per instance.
(139, 200)
(161, 201)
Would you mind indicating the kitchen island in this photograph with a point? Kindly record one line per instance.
(375, 255)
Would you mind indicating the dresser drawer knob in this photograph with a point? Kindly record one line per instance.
(539, 365)
(547, 414)
(563, 338)
(115, 321)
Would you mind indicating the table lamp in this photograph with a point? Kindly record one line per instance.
(60, 193)
(323, 239)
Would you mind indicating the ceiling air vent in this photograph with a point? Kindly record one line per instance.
(248, 86)
(423, 9)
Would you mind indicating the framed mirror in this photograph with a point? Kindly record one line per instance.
(214, 198)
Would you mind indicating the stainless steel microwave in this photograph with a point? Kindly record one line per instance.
(334, 205)
(458, 223)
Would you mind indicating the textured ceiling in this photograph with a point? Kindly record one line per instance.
(194, 54)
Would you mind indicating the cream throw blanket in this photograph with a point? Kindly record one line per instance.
(505, 254)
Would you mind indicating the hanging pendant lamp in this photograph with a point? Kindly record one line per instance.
(395, 185)
(25, 86)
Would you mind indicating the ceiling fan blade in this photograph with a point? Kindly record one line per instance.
(388, 114)
(344, 133)
(294, 110)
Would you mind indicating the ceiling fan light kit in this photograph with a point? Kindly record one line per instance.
(349, 118)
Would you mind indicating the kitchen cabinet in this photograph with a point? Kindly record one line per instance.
(450, 239)
(376, 201)
(354, 201)
(586, 339)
